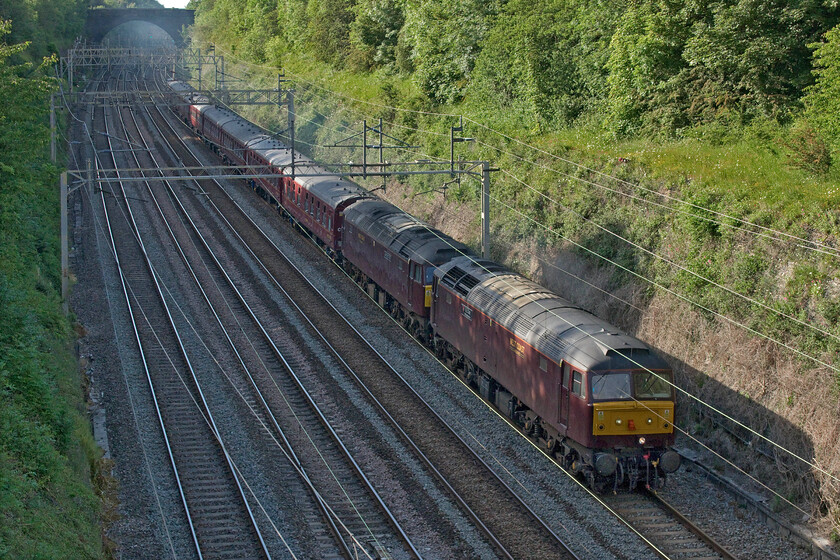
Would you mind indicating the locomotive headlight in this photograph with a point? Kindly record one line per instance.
(618, 421)
(642, 441)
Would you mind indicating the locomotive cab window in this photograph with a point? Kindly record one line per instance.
(577, 384)
(543, 363)
(648, 385)
(566, 375)
(610, 386)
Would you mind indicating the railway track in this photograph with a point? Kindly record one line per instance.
(515, 530)
(361, 523)
(671, 533)
(215, 508)
(278, 376)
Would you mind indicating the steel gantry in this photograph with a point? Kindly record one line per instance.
(83, 56)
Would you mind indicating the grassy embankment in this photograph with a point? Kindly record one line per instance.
(48, 506)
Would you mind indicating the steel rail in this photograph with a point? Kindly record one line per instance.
(688, 524)
(258, 392)
(206, 413)
(155, 400)
(205, 404)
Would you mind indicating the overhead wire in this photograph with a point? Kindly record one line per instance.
(816, 467)
(810, 244)
(674, 264)
(750, 300)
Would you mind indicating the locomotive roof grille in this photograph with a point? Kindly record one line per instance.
(552, 345)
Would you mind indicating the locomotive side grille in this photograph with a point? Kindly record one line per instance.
(467, 283)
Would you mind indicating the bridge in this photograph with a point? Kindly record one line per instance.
(101, 21)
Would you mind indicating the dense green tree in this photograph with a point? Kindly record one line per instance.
(546, 58)
(374, 33)
(44, 25)
(328, 29)
(639, 66)
(444, 39)
(822, 101)
(645, 56)
(751, 57)
(49, 509)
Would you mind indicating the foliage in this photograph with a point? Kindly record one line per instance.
(45, 25)
(543, 60)
(374, 34)
(654, 67)
(751, 56)
(49, 509)
(822, 100)
(445, 38)
(328, 29)
(808, 150)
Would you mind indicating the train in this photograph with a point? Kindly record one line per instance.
(596, 399)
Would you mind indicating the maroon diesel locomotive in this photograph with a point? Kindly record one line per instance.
(395, 256)
(599, 400)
